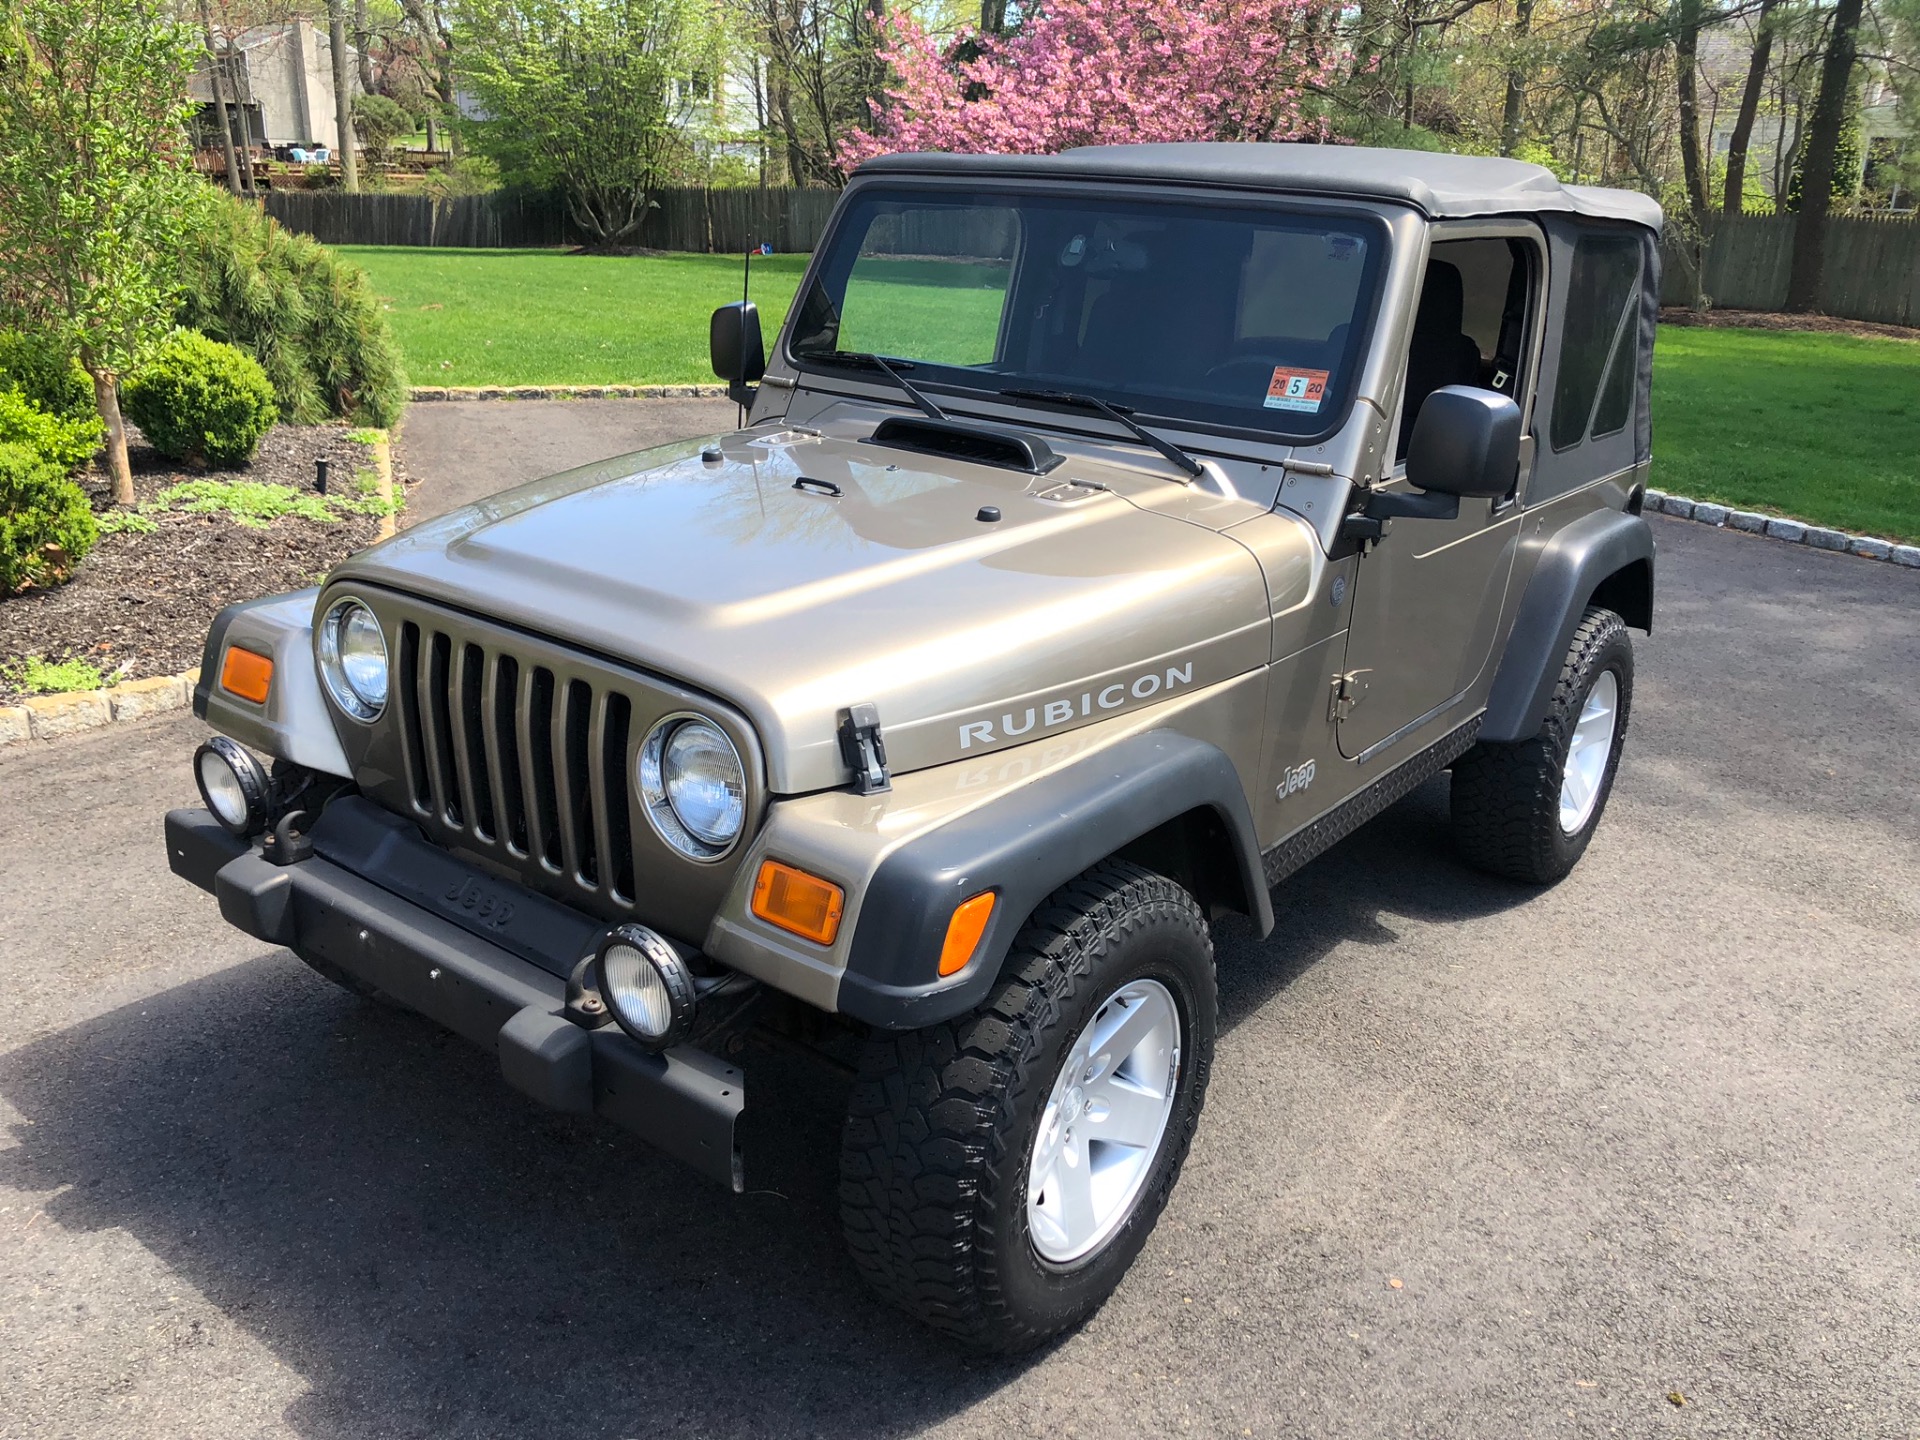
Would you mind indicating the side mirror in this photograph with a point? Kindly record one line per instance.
(739, 354)
(1465, 443)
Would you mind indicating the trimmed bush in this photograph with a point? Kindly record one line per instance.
(66, 443)
(53, 381)
(46, 525)
(310, 318)
(201, 401)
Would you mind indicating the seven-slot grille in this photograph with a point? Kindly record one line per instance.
(519, 757)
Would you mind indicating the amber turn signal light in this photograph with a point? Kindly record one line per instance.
(798, 902)
(246, 674)
(964, 930)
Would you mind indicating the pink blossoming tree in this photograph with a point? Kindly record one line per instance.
(1094, 72)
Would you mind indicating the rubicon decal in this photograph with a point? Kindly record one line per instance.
(1052, 714)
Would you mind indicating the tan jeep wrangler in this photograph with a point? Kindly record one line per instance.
(1111, 533)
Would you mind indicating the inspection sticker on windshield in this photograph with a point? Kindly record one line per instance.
(1296, 389)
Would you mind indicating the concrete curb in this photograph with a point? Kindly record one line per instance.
(567, 392)
(44, 717)
(1794, 532)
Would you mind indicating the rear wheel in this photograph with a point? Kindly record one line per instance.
(1526, 810)
(999, 1173)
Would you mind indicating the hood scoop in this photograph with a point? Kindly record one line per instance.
(959, 440)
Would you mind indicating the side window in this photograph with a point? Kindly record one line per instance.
(1471, 325)
(1605, 275)
(926, 287)
(1616, 393)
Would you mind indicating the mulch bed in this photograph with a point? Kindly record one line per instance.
(1771, 320)
(140, 605)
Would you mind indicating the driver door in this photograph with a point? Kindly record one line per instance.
(1428, 597)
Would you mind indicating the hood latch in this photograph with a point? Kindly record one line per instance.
(864, 752)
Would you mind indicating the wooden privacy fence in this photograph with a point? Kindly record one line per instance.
(724, 221)
(1872, 267)
(1873, 264)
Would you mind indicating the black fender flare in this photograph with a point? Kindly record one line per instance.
(1025, 844)
(1606, 553)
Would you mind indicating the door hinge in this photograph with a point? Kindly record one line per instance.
(864, 752)
(1347, 690)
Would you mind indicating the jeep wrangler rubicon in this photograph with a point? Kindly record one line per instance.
(1109, 534)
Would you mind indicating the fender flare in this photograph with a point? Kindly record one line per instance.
(1026, 844)
(1576, 563)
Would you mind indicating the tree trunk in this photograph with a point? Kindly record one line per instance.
(1823, 138)
(993, 16)
(342, 93)
(1734, 200)
(1516, 81)
(106, 399)
(362, 34)
(1686, 50)
(215, 72)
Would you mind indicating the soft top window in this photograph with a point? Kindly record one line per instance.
(1605, 276)
(1241, 316)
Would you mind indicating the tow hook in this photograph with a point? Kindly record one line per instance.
(289, 843)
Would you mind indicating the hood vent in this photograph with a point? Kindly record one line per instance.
(958, 440)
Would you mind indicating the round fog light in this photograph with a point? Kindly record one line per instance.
(232, 783)
(647, 987)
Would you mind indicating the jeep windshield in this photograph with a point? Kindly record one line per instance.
(1238, 316)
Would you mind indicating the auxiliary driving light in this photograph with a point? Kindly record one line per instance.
(647, 987)
(232, 784)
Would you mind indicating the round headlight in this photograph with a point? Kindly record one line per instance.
(232, 783)
(693, 785)
(353, 660)
(646, 986)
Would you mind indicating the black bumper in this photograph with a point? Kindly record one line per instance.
(685, 1102)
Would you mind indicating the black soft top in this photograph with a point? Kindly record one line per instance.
(1440, 186)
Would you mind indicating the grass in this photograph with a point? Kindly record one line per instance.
(543, 317)
(256, 504)
(1824, 428)
(1819, 427)
(43, 677)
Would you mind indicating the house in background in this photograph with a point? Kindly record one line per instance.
(280, 85)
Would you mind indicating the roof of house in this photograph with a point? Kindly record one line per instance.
(1439, 185)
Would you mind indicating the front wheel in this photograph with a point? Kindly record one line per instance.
(999, 1173)
(1526, 810)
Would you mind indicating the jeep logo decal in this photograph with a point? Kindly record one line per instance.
(1294, 781)
(479, 902)
(1055, 713)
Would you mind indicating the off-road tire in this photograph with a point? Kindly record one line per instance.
(941, 1125)
(1506, 797)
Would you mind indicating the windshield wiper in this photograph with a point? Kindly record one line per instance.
(889, 368)
(1119, 417)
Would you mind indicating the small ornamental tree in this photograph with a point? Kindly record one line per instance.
(584, 97)
(1101, 72)
(93, 163)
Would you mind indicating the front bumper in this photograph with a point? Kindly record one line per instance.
(684, 1101)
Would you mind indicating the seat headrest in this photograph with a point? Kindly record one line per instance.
(1443, 301)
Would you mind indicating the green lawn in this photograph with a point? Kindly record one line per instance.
(544, 317)
(1820, 427)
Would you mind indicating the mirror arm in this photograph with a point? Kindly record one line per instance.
(742, 394)
(1424, 505)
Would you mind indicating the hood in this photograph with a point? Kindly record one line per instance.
(875, 581)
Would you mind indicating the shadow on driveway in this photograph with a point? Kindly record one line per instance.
(433, 1254)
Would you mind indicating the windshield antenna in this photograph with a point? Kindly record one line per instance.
(913, 391)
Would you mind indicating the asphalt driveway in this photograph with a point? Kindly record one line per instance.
(1476, 1162)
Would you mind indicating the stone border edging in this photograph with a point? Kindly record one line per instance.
(567, 392)
(1794, 532)
(42, 717)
